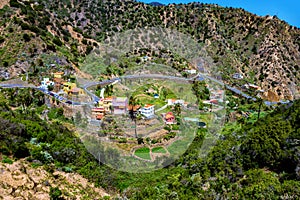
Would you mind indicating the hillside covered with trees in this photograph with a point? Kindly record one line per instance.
(264, 49)
(254, 158)
(258, 153)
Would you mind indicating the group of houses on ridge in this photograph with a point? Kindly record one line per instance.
(57, 83)
(120, 106)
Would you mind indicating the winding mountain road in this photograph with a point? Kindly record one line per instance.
(199, 76)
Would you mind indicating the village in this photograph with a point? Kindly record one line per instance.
(62, 87)
(121, 106)
(149, 115)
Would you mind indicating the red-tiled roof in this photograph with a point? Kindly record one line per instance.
(148, 105)
(57, 80)
(108, 99)
(169, 115)
(99, 116)
(98, 109)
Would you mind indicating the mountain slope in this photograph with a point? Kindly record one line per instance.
(264, 49)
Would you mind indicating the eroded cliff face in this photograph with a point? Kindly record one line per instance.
(21, 180)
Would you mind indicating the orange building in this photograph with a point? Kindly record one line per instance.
(98, 113)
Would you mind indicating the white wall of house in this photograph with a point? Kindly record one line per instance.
(191, 71)
(171, 102)
(45, 83)
(147, 111)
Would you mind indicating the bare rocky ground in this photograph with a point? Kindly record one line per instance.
(3, 3)
(22, 181)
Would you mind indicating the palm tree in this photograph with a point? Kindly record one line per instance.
(132, 108)
(260, 101)
(177, 109)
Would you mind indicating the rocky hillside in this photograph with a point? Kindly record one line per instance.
(20, 180)
(37, 33)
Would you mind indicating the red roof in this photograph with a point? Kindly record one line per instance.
(215, 101)
(98, 109)
(99, 116)
(148, 105)
(169, 115)
(108, 99)
(57, 80)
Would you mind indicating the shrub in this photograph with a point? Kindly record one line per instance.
(55, 193)
(140, 140)
(15, 3)
(7, 160)
(57, 41)
(1, 40)
(26, 37)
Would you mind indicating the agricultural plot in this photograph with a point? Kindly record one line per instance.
(143, 153)
(158, 150)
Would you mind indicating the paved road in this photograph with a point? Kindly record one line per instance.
(95, 98)
(106, 82)
(158, 76)
(115, 80)
(53, 94)
(15, 86)
(235, 90)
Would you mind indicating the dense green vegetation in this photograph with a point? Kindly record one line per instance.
(254, 159)
(232, 38)
(249, 161)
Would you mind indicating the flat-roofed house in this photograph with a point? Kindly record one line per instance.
(147, 110)
(237, 76)
(98, 113)
(191, 71)
(172, 102)
(45, 83)
(76, 91)
(58, 74)
(119, 105)
(106, 103)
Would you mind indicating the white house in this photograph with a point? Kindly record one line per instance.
(172, 102)
(45, 83)
(147, 110)
(191, 71)
(237, 76)
(250, 85)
